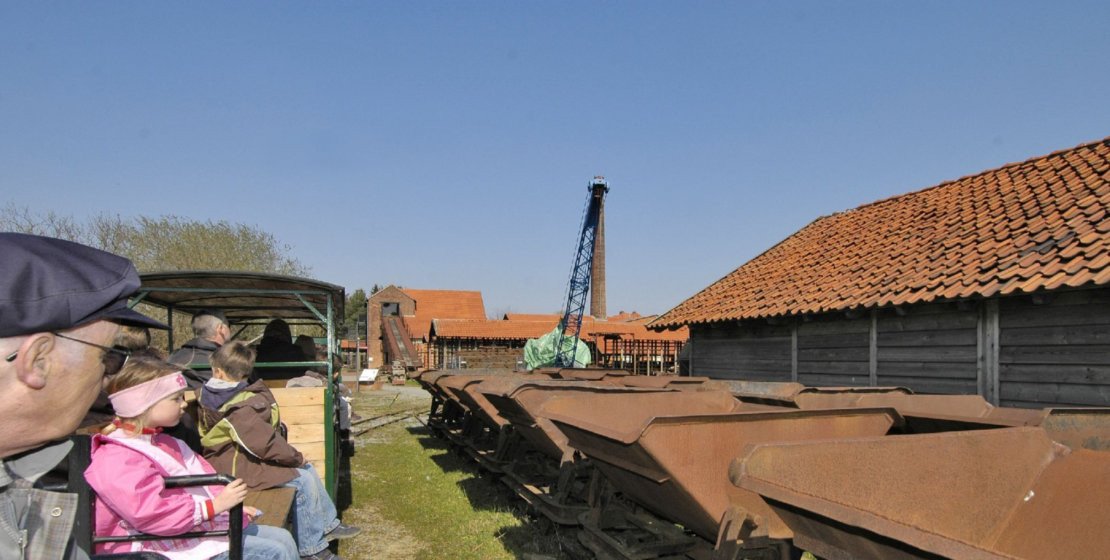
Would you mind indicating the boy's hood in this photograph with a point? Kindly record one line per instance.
(213, 396)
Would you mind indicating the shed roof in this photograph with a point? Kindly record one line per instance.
(442, 304)
(1040, 224)
(490, 329)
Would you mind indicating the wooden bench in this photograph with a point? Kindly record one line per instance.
(276, 505)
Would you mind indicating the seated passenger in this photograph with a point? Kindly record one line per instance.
(131, 459)
(239, 429)
(317, 376)
(277, 346)
(210, 331)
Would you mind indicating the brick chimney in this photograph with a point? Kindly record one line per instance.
(597, 275)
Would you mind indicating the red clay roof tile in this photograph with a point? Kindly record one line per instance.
(442, 304)
(1033, 225)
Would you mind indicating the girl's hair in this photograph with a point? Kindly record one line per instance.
(235, 358)
(138, 369)
(133, 338)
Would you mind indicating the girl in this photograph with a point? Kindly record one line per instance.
(130, 459)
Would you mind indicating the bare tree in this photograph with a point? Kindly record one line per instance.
(51, 224)
(167, 242)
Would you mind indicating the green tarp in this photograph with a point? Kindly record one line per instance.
(540, 352)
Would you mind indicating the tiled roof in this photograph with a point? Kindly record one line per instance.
(632, 331)
(523, 330)
(1040, 224)
(622, 316)
(532, 317)
(491, 329)
(442, 304)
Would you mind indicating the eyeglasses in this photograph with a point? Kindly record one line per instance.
(113, 359)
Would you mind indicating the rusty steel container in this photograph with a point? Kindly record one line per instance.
(522, 401)
(1075, 427)
(462, 390)
(672, 382)
(583, 374)
(672, 454)
(992, 494)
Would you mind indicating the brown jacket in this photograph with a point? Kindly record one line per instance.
(240, 436)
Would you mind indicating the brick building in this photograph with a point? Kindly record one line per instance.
(414, 311)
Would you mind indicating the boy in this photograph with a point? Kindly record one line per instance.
(239, 428)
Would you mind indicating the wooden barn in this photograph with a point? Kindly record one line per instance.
(996, 283)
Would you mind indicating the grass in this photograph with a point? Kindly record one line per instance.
(416, 499)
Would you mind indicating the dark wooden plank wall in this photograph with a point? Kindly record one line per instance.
(930, 349)
(756, 353)
(834, 353)
(1055, 352)
(1031, 351)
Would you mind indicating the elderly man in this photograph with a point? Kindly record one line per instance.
(61, 305)
(211, 331)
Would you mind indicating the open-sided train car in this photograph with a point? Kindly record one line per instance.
(253, 299)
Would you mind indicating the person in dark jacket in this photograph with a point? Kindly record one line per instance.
(61, 307)
(277, 346)
(239, 427)
(210, 331)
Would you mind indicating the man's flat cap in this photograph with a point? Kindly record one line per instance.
(48, 284)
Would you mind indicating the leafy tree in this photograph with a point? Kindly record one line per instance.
(355, 306)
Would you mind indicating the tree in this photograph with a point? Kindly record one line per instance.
(166, 243)
(174, 243)
(21, 220)
(354, 308)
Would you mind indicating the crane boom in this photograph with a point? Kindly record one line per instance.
(580, 275)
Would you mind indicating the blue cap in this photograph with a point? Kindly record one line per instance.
(49, 284)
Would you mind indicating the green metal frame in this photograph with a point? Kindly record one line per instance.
(334, 298)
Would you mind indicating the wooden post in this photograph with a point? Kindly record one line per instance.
(793, 352)
(987, 343)
(873, 350)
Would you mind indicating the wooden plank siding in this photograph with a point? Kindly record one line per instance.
(761, 353)
(1025, 351)
(834, 352)
(932, 349)
(1055, 352)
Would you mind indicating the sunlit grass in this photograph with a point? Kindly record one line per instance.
(417, 499)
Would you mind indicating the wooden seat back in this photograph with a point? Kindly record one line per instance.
(302, 411)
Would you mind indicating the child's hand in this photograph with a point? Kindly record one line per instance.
(233, 494)
(251, 512)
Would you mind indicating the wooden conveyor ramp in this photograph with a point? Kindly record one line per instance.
(399, 342)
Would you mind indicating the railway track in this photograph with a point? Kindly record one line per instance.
(364, 425)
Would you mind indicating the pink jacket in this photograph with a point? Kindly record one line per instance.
(127, 475)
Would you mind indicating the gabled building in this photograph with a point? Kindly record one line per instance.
(996, 283)
(412, 312)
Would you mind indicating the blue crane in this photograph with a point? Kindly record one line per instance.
(580, 275)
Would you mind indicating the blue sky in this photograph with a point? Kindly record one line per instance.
(448, 145)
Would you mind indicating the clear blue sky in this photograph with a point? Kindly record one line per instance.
(448, 145)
